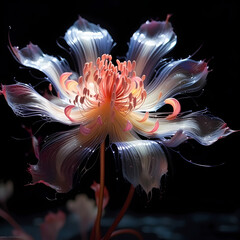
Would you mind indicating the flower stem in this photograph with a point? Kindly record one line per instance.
(101, 194)
(127, 231)
(10, 220)
(121, 213)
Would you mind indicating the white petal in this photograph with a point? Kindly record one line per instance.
(143, 163)
(32, 56)
(148, 45)
(177, 77)
(62, 155)
(26, 102)
(87, 42)
(203, 127)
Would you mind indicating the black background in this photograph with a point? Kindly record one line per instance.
(211, 25)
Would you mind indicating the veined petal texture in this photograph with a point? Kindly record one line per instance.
(87, 42)
(33, 57)
(143, 163)
(149, 44)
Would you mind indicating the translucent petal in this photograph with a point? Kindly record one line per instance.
(87, 42)
(177, 77)
(201, 126)
(32, 56)
(26, 102)
(62, 155)
(148, 45)
(143, 163)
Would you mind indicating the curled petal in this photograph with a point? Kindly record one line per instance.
(143, 163)
(176, 107)
(146, 115)
(128, 126)
(26, 102)
(176, 77)
(61, 156)
(32, 56)
(68, 110)
(155, 128)
(63, 78)
(87, 42)
(147, 46)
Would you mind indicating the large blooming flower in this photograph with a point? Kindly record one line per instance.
(116, 100)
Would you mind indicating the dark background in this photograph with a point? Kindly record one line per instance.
(211, 25)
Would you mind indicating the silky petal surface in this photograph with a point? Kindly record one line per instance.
(26, 102)
(149, 44)
(62, 155)
(177, 77)
(143, 163)
(87, 42)
(201, 126)
(32, 56)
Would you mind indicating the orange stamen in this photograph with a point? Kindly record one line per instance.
(103, 83)
(144, 118)
(176, 108)
(156, 126)
(68, 110)
(63, 79)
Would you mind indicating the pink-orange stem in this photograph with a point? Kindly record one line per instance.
(96, 233)
(121, 213)
(127, 231)
(10, 220)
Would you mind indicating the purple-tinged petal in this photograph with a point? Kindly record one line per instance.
(149, 44)
(33, 57)
(177, 77)
(176, 139)
(143, 163)
(201, 126)
(26, 102)
(204, 128)
(62, 155)
(87, 42)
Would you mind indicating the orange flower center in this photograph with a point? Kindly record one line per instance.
(103, 83)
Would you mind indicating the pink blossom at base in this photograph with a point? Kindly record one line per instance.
(53, 222)
(96, 188)
(84, 211)
(119, 99)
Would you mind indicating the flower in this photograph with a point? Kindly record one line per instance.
(84, 211)
(53, 222)
(117, 100)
